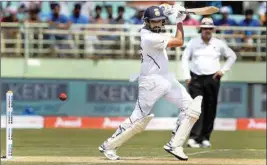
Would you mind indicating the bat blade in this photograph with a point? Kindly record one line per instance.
(203, 10)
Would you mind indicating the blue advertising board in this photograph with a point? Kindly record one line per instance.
(232, 100)
(259, 100)
(104, 98)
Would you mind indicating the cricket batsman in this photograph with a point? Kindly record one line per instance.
(156, 82)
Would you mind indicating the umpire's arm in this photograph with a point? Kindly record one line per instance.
(230, 55)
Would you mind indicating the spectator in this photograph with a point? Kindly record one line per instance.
(23, 9)
(11, 32)
(112, 21)
(12, 15)
(225, 20)
(190, 21)
(263, 17)
(58, 21)
(110, 13)
(250, 22)
(64, 9)
(77, 17)
(34, 18)
(25, 6)
(98, 19)
(138, 18)
(98, 11)
(119, 19)
(34, 15)
(93, 12)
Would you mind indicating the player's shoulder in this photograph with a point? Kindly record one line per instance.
(147, 35)
(144, 33)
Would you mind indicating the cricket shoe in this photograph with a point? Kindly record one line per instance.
(178, 152)
(110, 154)
(205, 144)
(192, 144)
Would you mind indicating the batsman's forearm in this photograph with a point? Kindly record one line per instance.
(180, 31)
(178, 40)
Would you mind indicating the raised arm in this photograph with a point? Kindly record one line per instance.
(178, 40)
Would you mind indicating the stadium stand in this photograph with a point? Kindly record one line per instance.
(29, 33)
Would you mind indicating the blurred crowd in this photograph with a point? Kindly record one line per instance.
(62, 17)
(82, 13)
(88, 13)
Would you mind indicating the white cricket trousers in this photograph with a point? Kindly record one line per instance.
(154, 87)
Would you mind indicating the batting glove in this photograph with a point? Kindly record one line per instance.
(180, 13)
(167, 9)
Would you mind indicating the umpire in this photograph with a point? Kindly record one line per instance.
(203, 78)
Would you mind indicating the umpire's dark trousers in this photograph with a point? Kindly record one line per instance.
(208, 87)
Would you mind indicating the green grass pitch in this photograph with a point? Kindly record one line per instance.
(79, 147)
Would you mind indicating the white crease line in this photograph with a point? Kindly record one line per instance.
(203, 152)
(251, 149)
(244, 149)
(221, 150)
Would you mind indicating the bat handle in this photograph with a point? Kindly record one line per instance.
(186, 12)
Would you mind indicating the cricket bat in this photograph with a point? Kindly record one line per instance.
(197, 11)
(202, 11)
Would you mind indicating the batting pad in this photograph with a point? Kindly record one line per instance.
(137, 127)
(192, 114)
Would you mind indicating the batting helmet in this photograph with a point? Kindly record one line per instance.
(154, 13)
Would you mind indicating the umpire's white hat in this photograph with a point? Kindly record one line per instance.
(207, 22)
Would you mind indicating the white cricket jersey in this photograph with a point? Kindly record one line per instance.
(205, 58)
(154, 58)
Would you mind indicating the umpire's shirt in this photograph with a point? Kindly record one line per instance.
(205, 58)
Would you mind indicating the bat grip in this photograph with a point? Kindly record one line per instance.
(186, 12)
